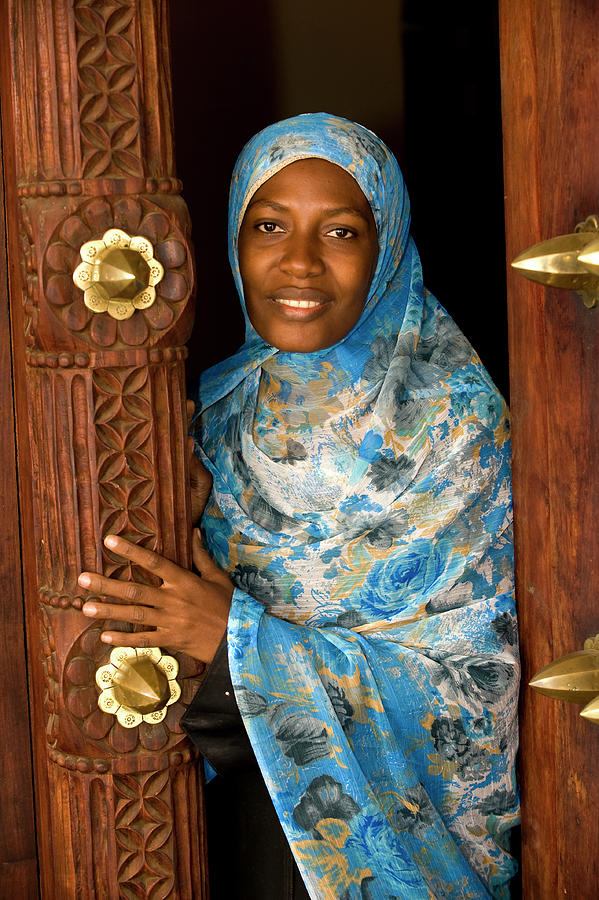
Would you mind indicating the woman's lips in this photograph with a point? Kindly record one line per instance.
(299, 309)
(297, 304)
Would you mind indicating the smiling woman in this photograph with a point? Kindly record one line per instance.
(307, 253)
(361, 503)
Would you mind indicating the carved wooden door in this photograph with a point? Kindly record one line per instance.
(100, 393)
(100, 405)
(550, 82)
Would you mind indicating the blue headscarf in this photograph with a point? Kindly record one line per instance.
(371, 163)
(362, 506)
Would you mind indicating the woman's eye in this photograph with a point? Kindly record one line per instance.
(342, 233)
(268, 227)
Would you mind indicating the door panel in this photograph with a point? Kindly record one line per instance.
(550, 81)
(87, 112)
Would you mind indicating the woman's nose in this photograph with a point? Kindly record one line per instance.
(301, 256)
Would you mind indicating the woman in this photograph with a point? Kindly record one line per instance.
(361, 506)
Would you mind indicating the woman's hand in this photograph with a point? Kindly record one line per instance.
(189, 612)
(199, 478)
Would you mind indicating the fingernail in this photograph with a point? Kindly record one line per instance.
(89, 609)
(84, 580)
(106, 638)
(110, 540)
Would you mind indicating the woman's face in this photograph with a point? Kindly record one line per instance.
(307, 253)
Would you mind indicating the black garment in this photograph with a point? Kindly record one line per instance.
(213, 721)
(248, 854)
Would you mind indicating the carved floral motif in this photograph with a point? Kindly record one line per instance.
(124, 457)
(123, 424)
(79, 694)
(144, 834)
(87, 654)
(135, 215)
(108, 87)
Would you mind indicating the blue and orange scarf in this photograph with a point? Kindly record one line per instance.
(362, 506)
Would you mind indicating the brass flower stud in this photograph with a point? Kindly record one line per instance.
(118, 274)
(137, 685)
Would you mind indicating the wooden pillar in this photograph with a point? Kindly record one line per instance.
(550, 81)
(88, 134)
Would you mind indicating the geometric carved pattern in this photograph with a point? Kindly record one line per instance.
(144, 828)
(108, 88)
(123, 424)
(135, 215)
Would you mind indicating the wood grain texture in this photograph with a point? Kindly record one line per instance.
(102, 411)
(550, 77)
(18, 855)
(18, 273)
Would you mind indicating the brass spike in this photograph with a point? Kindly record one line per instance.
(141, 685)
(118, 274)
(591, 711)
(123, 273)
(590, 257)
(556, 262)
(574, 678)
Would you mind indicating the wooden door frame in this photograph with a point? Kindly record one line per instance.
(550, 76)
(18, 844)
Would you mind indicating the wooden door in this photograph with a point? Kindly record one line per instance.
(87, 143)
(550, 83)
(100, 400)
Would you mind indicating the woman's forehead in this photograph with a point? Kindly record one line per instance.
(306, 179)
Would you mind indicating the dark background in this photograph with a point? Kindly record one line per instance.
(422, 75)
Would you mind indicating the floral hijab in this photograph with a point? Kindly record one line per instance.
(362, 506)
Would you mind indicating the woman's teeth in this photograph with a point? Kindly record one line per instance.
(301, 304)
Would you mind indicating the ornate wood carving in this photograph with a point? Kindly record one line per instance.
(91, 121)
(106, 71)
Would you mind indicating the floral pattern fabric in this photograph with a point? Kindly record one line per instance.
(362, 506)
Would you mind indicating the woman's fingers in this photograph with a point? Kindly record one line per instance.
(137, 615)
(190, 409)
(188, 612)
(204, 563)
(131, 638)
(147, 559)
(200, 481)
(130, 591)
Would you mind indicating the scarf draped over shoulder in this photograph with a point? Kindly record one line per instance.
(362, 507)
